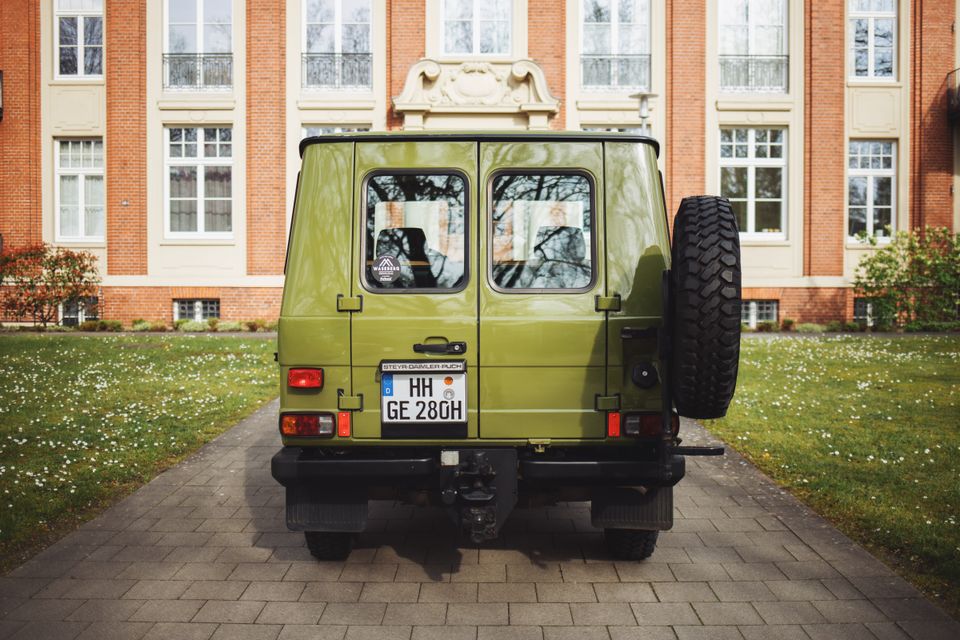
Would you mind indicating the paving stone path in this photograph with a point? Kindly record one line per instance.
(202, 552)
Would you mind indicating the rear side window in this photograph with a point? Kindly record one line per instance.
(415, 232)
(542, 236)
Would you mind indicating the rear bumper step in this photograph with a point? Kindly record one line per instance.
(291, 466)
(610, 472)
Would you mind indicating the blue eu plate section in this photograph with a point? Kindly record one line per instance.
(387, 384)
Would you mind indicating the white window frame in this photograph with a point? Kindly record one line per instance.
(753, 312)
(752, 31)
(333, 128)
(871, 175)
(200, 162)
(871, 17)
(81, 47)
(199, 26)
(474, 25)
(615, 46)
(82, 174)
(752, 163)
(197, 309)
(337, 27)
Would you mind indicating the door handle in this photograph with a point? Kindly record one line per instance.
(441, 348)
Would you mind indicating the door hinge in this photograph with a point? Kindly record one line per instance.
(606, 403)
(349, 403)
(349, 303)
(608, 303)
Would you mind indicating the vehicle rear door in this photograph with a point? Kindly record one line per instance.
(414, 290)
(542, 327)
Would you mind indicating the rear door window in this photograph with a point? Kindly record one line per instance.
(542, 232)
(415, 232)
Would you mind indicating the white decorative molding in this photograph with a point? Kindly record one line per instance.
(486, 88)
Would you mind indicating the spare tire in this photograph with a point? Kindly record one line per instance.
(705, 292)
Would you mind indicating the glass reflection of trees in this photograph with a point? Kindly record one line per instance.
(422, 266)
(559, 255)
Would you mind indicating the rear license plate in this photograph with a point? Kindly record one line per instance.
(418, 392)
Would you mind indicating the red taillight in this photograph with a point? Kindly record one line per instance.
(306, 425)
(613, 424)
(648, 425)
(343, 424)
(305, 378)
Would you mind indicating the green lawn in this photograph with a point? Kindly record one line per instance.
(84, 420)
(866, 431)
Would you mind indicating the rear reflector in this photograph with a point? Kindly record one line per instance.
(315, 425)
(343, 424)
(305, 378)
(613, 424)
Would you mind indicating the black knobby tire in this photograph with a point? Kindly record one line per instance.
(329, 545)
(630, 544)
(705, 282)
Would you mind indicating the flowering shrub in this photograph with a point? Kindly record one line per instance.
(39, 278)
(914, 278)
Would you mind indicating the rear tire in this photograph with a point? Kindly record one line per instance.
(630, 544)
(705, 282)
(328, 545)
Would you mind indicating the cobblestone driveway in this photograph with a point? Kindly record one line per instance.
(202, 552)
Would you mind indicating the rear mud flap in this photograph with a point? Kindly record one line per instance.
(310, 509)
(482, 491)
(628, 508)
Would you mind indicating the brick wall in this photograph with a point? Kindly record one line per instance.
(686, 102)
(931, 142)
(20, 218)
(266, 140)
(825, 144)
(547, 46)
(820, 305)
(125, 40)
(406, 33)
(156, 303)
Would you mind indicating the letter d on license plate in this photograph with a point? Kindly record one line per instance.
(419, 392)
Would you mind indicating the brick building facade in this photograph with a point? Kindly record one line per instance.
(162, 136)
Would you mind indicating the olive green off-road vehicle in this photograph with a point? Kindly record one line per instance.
(485, 321)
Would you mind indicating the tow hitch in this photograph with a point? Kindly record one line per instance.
(481, 491)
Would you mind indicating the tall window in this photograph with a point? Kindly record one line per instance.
(199, 185)
(477, 27)
(872, 176)
(311, 130)
(199, 44)
(616, 44)
(873, 39)
(752, 176)
(79, 190)
(336, 44)
(753, 45)
(79, 37)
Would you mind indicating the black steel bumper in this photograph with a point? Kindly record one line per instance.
(292, 466)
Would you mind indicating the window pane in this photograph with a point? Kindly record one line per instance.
(768, 217)
(542, 232)
(740, 211)
(857, 193)
(68, 60)
(217, 11)
(217, 216)
(356, 11)
(459, 10)
(419, 222)
(183, 182)
(881, 191)
(733, 182)
(183, 38)
(597, 38)
(320, 10)
(217, 182)
(93, 206)
(183, 216)
(494, 37)
(216, 38)
(93, 61)
(769, 182)
(596, 11)
(68, 31)
(320, 38)
(858, 220)
(93, 30)
(458, 37)
(183, 11)
(356, 38)
(69, 206)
